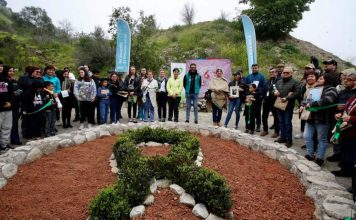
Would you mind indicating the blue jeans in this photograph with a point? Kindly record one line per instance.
(104, 111)
(322, 133)
(189, 99)
(50, 123)
(234, 105)
(285, 123)
(149, 108)
(115, 109)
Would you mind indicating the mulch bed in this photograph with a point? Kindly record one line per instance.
(61, 185)
(155, 151)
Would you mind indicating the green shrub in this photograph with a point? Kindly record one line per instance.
(110, 204)
(161, 167)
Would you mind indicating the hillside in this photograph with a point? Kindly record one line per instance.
(215, 39)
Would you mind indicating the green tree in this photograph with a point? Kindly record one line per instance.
(275, 18)
(3, 3)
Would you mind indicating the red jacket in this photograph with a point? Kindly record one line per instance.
(350, 108)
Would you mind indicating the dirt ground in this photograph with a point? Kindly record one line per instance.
(61, 185)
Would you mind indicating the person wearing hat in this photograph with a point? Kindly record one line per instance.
(235, 102)
(287, 91)
(330, 69)
(268, 102)
(279, 70)
(348, 92)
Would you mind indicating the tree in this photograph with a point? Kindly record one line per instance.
(65, 31)
(124, 13)
(188, 14)
(275, 18)
(3, 3)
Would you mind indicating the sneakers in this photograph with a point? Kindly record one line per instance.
(90, 125)
(341, 173)
(258, 129)
(310, 158)
(280, 140)
(275, 135)
(288, 143)
(298, 136)
(247, 131)
(186, 121)
(320, 162)
(334, 157)
(264, 133)
(81, 126)
(195, 122)
(251, 132)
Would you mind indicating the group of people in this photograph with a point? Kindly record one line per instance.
(326, 101)
(38, 95)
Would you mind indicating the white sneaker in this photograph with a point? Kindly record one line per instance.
(90, 126)
(298, 136)
(81, 126)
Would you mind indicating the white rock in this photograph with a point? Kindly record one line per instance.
(204, 132)
(187, 199)
(104, 133)
(199, 158)
(310, 164)
(213, 217)
(164, 183)
(114, 170)
(321, 174)
(142, 144)
(66, 143)
(33, 155)
(271, 154)
(200, 154)
(137, 211)
(79, 139)
(17, 157)
(166, 145)
(149, 200)
(198, 163)
(337, 211)
(113, 163)
(64, 136)
(177, 189)
(225, 135)
(9, 170)
(327, 184)
(112, 157)
(49, 147)
(23, 148)
(333, 192)
(200, 210)
(153, 187)
(302, 168)
(3, 182)
(90, 135)
(153, 144)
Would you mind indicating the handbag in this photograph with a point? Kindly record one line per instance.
(280, 105)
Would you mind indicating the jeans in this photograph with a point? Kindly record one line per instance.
(50, 122)
(189, 99)
(104, 111)
(149, 109)
(115, 109)
(173, 108)
(161, 98)
(234, 104)
(285, 123)
(322, 133)
(216, 114)
(267, 108)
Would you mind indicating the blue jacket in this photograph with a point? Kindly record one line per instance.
(55, 81)
(256, 77)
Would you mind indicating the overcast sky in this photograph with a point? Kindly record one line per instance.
(330, 24)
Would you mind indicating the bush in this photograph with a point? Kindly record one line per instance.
(137, 171)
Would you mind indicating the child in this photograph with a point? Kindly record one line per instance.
(50, 111)
(104, 103)
(250, 108)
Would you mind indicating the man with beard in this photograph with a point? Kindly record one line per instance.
(192, 85)
(330, 69)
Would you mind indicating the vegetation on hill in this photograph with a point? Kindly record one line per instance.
(30, 38)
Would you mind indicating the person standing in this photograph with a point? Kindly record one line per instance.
(287, 90)
(235, 102)
(51, 76)
(5, 112)
(219, 89)
(320, 120)
(97, 80)
(104, 101)
(133, 85)
(174, 89)
(118, 95)
(140, 104)
(149, 88)
(50, 111)
(85, 92)
(268, 104)
(250, 108)
(67, 98)
(162, 96)
(192, 85)
(331, 69)
(259, 80)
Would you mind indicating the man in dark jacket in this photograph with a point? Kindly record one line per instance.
(192, 85)
(330, 69)
(268, 104)
(161, 96)
(287, 90)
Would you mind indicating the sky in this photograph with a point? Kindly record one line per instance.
(330, 24)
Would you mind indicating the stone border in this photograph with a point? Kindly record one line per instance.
(332, 201)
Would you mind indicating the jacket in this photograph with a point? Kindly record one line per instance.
(55, 81)
(285, 86)
(5, 94)
(85, 91)
(192, 83)
(251, 78)
(174, 86)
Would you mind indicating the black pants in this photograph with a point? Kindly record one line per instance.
(257, 113)
(33, 125)
(173, 108)
(15, 137)
(217, 113)
(133, 106)
(87, 109)
(66, 112)
(267, 108)
(76, 106)
(250, 117)
(161, 98)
